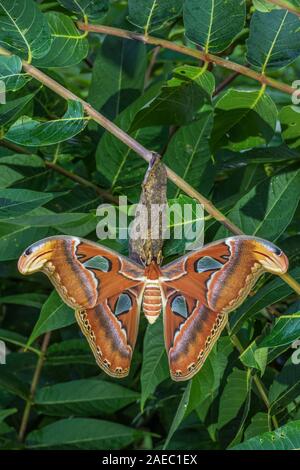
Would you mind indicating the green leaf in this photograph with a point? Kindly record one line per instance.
(244, 119)
(179, 100)
(151, 15)
(82, 433)
(115, 161)
(89, 397)
(72, 351)
(11, 73)
(17, 159)
(259, 424)
(69, 46)
(289, 117)
(258, 358)
(285, 387)
(279, 39)
(86, 8)
(179, 415)
(206, 22)
(14, 202)
(285, 331)
(14, 239)
(16, 339)
(5, 413)
(268, 208)
(246, 409)
(118, 75)
(189, 154)
(29, 299)
(29, 132)
(284, 438)
(54, 315)
(269, 294)
(185, 224)
(206, 383)
(8, 176)
(233, 396)
(264, 5)
(13, 109)
(280, 153)
(155, 363)
(261, 356)
(43, 217)
(24, 29)
(12, 384)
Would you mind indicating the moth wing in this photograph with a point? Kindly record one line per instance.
(220, 275)
(190, 329)
(84, 273)
(111, 329)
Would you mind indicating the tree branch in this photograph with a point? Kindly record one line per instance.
(68, 174)
(78, 179)
(127, 140)
(33, 387)
(206, 57)
(286, 6)
(225, 83)
(138, 148)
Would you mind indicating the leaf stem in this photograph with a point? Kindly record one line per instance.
(291, 282)
(33, 387)
(146, 154)
(82, 181)
(286, 6)
(68, 174)
(225, 83)
(127, 140)
(260, 386)
(207, 57)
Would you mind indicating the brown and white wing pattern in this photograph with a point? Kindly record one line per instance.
(200, 289)
(191, 330)
(104, 288)
(111, 329)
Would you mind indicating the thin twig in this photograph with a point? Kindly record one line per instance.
(127, 140)
(146, 154)
(225, 83)
(68, 174)
(33, 387)
(260, 386)
(149, 71)
(286, 6)
(78, 179)
(206, 57)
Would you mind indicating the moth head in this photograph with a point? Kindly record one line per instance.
(271, 257)
(35, 257)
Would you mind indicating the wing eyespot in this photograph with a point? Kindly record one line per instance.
(29, 251)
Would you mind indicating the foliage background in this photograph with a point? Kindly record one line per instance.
(229, 137)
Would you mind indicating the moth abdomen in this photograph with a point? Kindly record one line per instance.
(152, 302)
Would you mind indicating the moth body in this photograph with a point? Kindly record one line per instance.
(152, 301)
